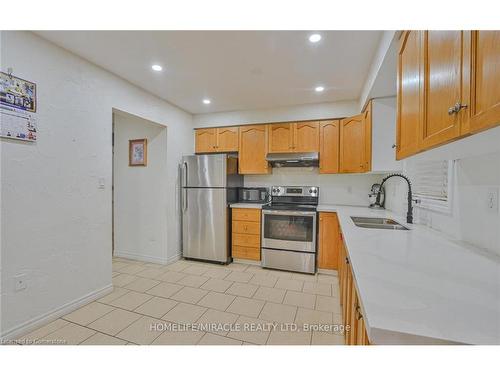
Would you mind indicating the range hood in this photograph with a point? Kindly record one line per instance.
(293, 159)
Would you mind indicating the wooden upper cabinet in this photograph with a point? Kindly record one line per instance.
(442, 86)
(205, 140)
(253, 149)
(216, 139)
(409, 95)
(484, 71)
(352, 144)
(367, 118)
(328, 241)
(306, 136)
(294, 137)
(329, 142)
(281, 137)
(227, 139)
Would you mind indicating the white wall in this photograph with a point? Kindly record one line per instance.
(56, 223)
(384, 135)
(140, 193)
(473, 176)
(351, 189)
(293, 113)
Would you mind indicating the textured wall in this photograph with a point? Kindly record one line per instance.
(56, 223)
(140, 193)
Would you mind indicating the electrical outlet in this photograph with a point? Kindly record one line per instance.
(20, 282)
(492, 200)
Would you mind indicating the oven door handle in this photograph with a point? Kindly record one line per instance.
(289, 213)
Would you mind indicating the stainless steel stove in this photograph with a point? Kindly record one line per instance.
(289, 229)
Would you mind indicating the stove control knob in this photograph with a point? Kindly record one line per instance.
(313, 190)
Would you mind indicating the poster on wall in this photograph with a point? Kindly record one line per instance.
(17, 108)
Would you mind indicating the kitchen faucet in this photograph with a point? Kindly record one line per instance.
(409, 214)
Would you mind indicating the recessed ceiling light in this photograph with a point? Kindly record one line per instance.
(206, 101)
(157, 68)
(314, 38)
(319, 88)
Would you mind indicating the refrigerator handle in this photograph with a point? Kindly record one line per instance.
(184, 190)
(185, 173)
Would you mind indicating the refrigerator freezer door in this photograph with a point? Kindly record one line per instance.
(204, 171)
(205, 224)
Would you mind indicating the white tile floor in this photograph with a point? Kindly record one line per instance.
(199, 303)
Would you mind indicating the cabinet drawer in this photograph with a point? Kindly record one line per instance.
(242, 252)
(246, 227)
(246, 214)
(249, 240)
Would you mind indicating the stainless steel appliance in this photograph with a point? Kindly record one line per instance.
(209, 184)
(289, 229)
(293, 159)
(253, 194)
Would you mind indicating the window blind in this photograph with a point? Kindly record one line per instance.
(430, 179)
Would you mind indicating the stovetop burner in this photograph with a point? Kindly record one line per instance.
(293, 198)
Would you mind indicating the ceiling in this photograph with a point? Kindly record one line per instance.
(236, 70)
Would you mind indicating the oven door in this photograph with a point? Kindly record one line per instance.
(289, 230)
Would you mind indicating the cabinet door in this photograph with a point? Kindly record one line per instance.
(352, 144)
(348, 305)
(409, 115)
(341, 267)
(227, 139)
(281, 137)
(484, 72)
(367, 118)
(442, 86)
(252, 150)
(306, 136)
(205, 140)
(328, 252)
(329, 142)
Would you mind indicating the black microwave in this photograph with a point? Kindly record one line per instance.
(253, 194)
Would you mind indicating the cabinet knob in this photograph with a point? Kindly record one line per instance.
(456, 108)
(393, 145)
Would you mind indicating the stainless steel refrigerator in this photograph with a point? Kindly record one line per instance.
(209, 184)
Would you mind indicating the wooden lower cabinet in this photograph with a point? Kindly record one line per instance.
(352, 316)
(246, 233)
(328, 241)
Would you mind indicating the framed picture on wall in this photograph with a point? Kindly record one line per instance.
(137, 152)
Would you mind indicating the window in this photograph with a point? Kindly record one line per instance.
(431, 180)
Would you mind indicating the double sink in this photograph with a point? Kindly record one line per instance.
(377, 223)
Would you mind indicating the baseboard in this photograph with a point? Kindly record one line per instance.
(324, 271)
(142, 258)
(35, 323)
(174, 258)
(247, 261)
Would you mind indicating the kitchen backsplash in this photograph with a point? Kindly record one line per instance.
(469, 220)
(351, 189)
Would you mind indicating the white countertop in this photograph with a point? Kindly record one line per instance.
(419, 286)
(246, 205)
